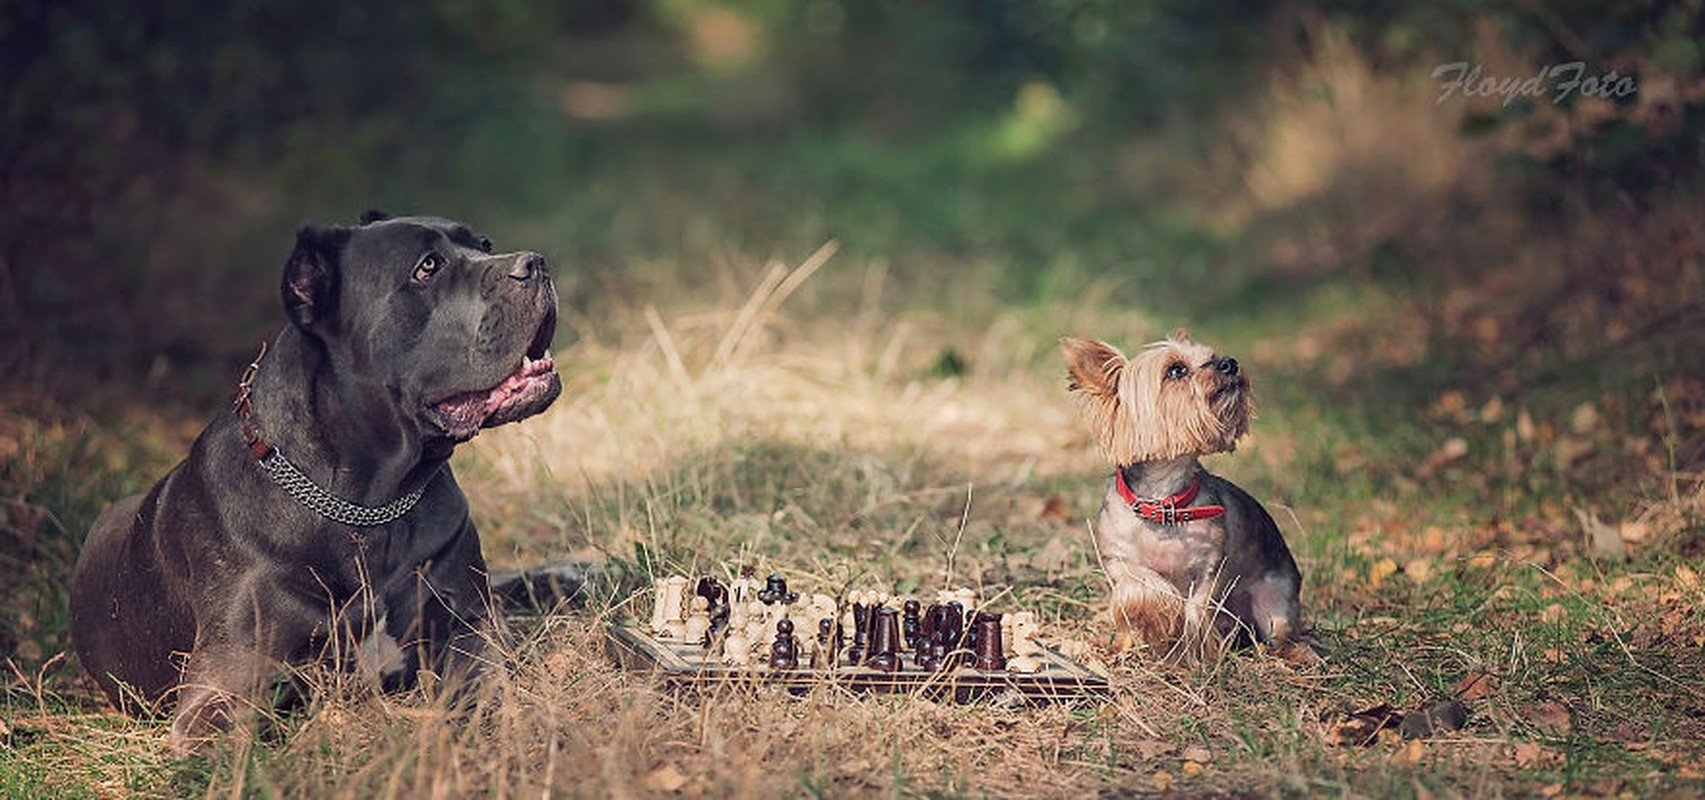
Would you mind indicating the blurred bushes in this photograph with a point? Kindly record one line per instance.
(140, 139)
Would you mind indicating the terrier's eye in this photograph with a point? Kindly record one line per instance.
(428, 266)
(1177, 372)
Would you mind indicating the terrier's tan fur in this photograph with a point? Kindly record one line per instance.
(1196, 583)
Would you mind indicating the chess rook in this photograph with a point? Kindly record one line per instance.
(884, 640)
(988, 650)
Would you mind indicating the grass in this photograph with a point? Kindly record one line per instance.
(890, 411)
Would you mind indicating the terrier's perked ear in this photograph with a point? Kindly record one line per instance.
(1094, 367)
(1097, 370)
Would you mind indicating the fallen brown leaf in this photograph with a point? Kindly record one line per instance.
(1361, 728)
(1549, 716)
(1055, 508)
(1604, 541)
(1476, 685)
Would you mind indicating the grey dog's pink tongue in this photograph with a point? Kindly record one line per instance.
(466, 412)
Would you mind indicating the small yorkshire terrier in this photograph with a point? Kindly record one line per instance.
(1193, 559)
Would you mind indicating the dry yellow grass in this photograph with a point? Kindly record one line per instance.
(795, 422)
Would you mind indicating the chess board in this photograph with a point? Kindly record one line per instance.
(690, 666)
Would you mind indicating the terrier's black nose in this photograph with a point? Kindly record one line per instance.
(1227, 366)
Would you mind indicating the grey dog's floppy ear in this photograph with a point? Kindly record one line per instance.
(309, 285)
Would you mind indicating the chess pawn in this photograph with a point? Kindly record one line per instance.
(989, 653)
(782, 652)
(884, 640)
(696, 630)
(823, 655)
(817, 607)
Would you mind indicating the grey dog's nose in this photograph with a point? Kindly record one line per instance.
(1226, 365)
(527, 266)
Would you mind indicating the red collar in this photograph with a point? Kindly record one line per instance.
(1167, 511)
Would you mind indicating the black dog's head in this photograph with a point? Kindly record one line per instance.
(458, 336)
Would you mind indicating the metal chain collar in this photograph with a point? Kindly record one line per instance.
(300, 486)
(330, 506)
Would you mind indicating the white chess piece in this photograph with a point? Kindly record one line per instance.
(1013, 626)
(698, 620)
(760, 626)
(736, 648)
(1025, 648)
(742, 591)
(659, 604)
(819, 607)
(805, 641)
(675, 620)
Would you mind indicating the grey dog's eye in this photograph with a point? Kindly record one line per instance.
(427, 266)
(1177, 372)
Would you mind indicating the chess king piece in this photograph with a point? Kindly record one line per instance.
(782, 652)
(1194, 560)
(910, 623)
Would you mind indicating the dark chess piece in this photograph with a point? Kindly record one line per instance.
(827, 645)
(950, 636)
(861, 632)
(925, 645)
(909, 623)
(783, 653)
(712, 590)
(775, 591)
(988, 646)
(884, 640)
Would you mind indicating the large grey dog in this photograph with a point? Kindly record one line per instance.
(317, 519)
